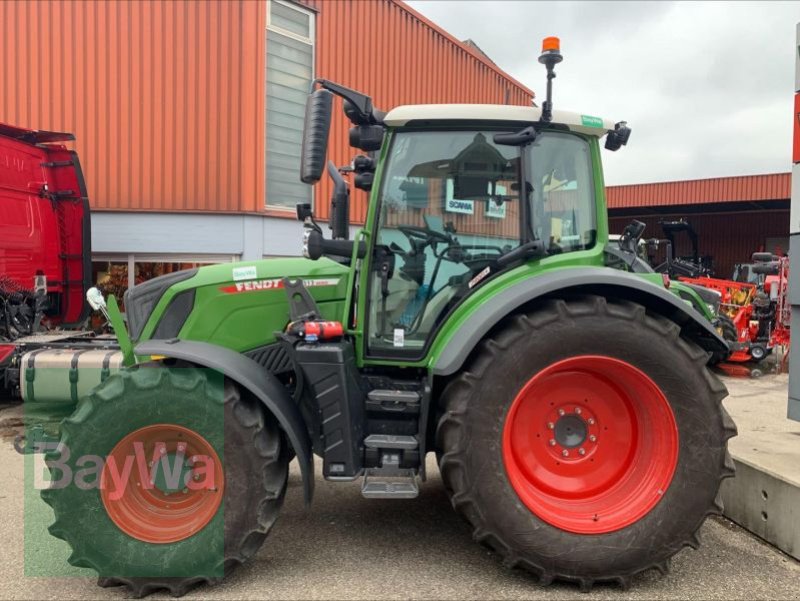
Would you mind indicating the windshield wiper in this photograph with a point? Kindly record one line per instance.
(534, 248)
(517, 138)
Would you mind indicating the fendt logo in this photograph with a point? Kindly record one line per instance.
(273, 284)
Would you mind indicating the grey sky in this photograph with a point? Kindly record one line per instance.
(706, 87)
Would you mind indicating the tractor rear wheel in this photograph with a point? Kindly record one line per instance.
(586, 441)
(192, 476)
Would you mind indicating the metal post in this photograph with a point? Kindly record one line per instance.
(794, 244)
(131, 272)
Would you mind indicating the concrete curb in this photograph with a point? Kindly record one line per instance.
(765, 503)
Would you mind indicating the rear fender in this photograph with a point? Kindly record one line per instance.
(252, 377)
(602, 281)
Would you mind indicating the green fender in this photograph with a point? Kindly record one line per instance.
(602, 281)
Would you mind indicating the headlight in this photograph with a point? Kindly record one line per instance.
(306, 234)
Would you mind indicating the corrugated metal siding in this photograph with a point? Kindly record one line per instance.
(387, 50)
(165, 98)
(729, 238)
(700, 191)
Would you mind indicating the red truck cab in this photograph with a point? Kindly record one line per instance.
(45, 237)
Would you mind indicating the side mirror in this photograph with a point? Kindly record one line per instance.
(340, 205)
(630, 236)
(317, 125)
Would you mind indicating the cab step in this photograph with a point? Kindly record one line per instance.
(391, 441)
(400, 486)
(390, 481)
(393, 401)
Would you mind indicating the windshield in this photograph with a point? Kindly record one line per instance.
(450, 207)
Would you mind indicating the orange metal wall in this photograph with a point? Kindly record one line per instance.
(167, 99)
(701, 191)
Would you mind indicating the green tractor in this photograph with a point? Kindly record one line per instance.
(576, 425)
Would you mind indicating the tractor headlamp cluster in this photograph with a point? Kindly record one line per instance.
(619, 137)
(364, 169)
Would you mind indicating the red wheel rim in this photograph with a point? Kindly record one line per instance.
(158, 509)
(590, 444)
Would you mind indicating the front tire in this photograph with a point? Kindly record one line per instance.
(586, 441)
(168, 535)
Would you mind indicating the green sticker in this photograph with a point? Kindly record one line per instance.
(590, 121)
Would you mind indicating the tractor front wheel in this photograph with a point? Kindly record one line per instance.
(175, 478)
(586, 441)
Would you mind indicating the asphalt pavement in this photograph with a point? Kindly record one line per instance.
(348, 547)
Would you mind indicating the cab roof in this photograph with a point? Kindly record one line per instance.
(33, 136)
(405, 115)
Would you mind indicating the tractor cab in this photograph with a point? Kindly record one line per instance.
(457, 204)
(465, 193)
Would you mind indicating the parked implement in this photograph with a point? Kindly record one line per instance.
(757, 312)
(686, 266)
(576, 425)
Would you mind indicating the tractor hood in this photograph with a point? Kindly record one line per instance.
(237, 305)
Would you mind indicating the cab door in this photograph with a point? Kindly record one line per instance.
(448, 208)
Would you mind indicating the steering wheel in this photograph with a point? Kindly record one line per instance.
(424, 233)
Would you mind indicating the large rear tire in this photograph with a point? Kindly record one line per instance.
(585, 441)
(163, 536)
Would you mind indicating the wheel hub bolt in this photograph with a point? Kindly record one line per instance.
(552, 442)
(593, 438)
(591, 421)
(581, 451)
(578, 410)
(551, 425)
(561, 412)
(565, 453)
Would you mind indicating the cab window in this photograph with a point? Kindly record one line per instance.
(449, 207)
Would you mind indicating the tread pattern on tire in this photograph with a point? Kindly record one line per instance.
(268, 444)
(452, 439)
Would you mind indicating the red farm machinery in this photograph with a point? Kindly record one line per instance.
(754, 309)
